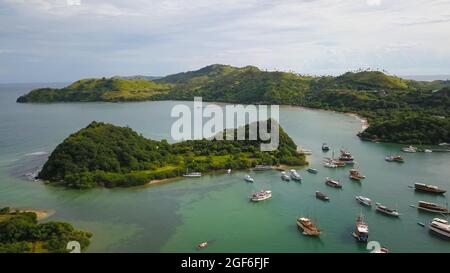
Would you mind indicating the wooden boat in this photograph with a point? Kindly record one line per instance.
(308, 227)
(333, 183)
(387, 211)
(322, 196)
(432, 207)
(346, 157)
(361, 232)
(356, 175)
(395, 158)
(440, 226)
(428, 188)
(312, 170)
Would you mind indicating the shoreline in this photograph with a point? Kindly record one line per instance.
(41, 214)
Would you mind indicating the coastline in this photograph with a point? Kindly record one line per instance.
(41, 214)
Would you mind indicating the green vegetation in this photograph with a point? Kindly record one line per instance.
(398, 110)
(113, 90)
(107, 155)
(21, 233)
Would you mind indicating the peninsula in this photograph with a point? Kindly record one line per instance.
(106, 155)
(398, 110)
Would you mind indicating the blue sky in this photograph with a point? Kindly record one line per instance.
(64, 40)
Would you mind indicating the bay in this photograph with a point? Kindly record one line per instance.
(175, 217)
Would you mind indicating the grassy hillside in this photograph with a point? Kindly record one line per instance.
(377, 96)
(111, 156)
(113, 89)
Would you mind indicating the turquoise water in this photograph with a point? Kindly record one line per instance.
(174, 217)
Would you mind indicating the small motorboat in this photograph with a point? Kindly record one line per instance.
(285, 177)
(202, 245)
(410, 149)
(294, 175)
(248, 178)
(333, 183)
(387, 211)
(322, 196)
(325, 147)
(229, 171)
(364, 200)
(261, 195)
(312, 170)
(394, 158)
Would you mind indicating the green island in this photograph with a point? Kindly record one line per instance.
(398, 110)
(106, 155)
(20, 232)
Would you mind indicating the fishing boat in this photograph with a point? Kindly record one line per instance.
(262, 168)
(325, 147)
(346, 157)
(356, 175)
(333, 183)
(322, 196)
(308, 227)
(312, 170)
(261, 195)
(386, 210)
(202, 245)
(364, 200)
(440, 226)
(361, 232)
(410, 149)
(428, 188)
(248, 178)
(395, 158)
(285, 176)
(432, 207)
(294, 175)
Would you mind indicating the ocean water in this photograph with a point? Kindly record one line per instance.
(176, 216)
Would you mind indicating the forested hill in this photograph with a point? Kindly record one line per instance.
(414, 111)
(106, 155)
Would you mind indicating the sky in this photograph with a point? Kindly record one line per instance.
(65, 40)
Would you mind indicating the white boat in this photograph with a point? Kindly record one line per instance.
(248, 178)
(261, 195)
(285, 177)
(194, 174)
(444, 144)
(440, 226)
(202, 245)
(329, 165)
(410, 149)
(361, 232)
(388, 211)
(295, 176)
(229, 171)
(364, 200)
(427, 151)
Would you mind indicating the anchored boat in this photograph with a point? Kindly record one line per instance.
(308, 227)
(294, 175)
(410, 149)
(364, 200)
(440, 226)
(325, 147)
(432, 207)
(428, 188)
(387, 211)
(312, 170)
(394, 158)
(346, 157)
(285, 177)
(333, 183)
(361, 232)
(248, 178)
(261, 195)
(322, 196)
(356, 175)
